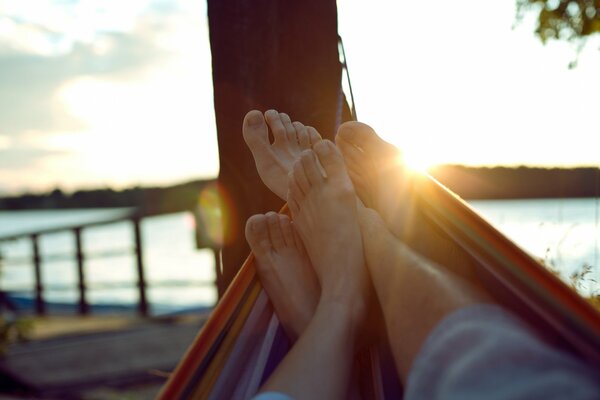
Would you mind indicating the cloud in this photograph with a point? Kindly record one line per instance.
(45, 44)
(25, 158)
(66, 67)
(30, 79)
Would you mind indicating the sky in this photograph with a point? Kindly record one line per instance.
(112, 93)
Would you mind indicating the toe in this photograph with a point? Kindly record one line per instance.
(311, 168)
(330, 158)
(313, 135)
(302, 136)
(356, 162)
(276, 124)
(287, 230)
(257, 234)
(255, 131)
(359, 134)
(291, 200)
(275, 233)
(300, 177)
(290, 130)
(295, 196)
(353, 156)
(297, 239)
(364, 137)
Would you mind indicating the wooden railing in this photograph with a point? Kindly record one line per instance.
(80, 257)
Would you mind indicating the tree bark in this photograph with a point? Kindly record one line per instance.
(268, 54)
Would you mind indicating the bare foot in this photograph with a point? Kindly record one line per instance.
(325, 215)
(378, 173)
(274, 160)
(385, 185)
(284, 270)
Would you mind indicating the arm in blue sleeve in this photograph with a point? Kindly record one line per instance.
(485, 352)
(271, 396)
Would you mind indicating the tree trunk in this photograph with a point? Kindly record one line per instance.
(268, 54)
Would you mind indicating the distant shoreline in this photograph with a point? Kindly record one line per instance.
(179, 197)
(471, 183)
(520, 182)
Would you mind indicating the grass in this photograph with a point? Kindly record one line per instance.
(580, 280)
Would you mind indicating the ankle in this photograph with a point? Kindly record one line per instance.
(350, 307)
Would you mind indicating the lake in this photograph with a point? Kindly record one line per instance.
(169, 255)
(562, 232)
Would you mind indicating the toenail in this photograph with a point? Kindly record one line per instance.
(255, 119)
(323, 146)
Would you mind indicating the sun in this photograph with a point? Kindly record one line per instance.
(417, 151)
(420, 160)
(417, 162)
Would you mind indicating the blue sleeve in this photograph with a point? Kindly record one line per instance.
(484, 351)
(271, 396)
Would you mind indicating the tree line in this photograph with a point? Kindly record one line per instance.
(467, 182)
(519, 183)
(151, 200)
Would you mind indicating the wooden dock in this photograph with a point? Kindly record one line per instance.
(69, 365)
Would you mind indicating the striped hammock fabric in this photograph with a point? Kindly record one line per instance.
(242, 341)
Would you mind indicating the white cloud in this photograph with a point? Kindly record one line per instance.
(131, 103)
(5, 142)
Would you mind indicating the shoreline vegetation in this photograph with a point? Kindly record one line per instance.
(471, 183)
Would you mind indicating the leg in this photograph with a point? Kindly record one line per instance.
(274, 160)
(324, 209)
(415, 294)
(284, 270)
(323, 204)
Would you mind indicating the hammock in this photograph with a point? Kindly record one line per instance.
(242, 342)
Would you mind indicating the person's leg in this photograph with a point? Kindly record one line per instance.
(284, 270)
(274, 160)
(384, 184)
(324, 208)
(415, 293)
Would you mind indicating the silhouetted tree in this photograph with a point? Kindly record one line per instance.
(571, 20)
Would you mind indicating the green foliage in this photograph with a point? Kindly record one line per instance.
(578, 280)
(580, 276)
(572, 20)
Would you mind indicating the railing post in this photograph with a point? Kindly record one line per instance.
(40, 307)
(218, 272)
(143, 303)
(83, 304)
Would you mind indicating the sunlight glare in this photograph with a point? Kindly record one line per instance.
(419, 162)
(417, 155)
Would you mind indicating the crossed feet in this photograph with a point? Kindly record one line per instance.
(324, 208)
(376, 171)
(323, 205)
(374, 166)
(320, 191)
